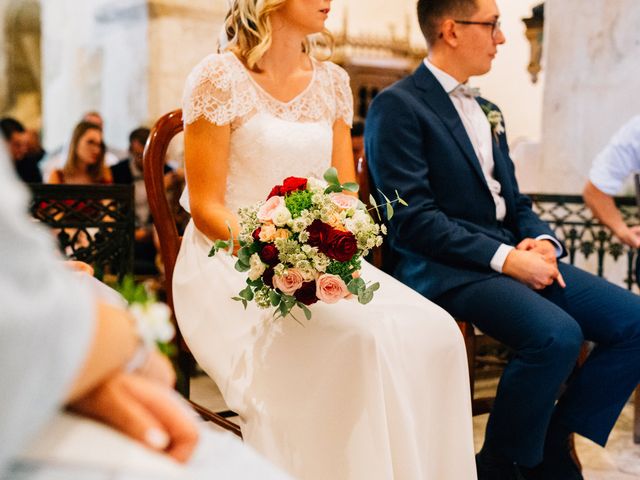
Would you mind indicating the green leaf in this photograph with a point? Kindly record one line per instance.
(333, 189)
(375, 205)
(305, 309)
(356, 285)
(365, 296)
(274, 298)
(246, 293)
(374, 287)
(389, 211)
(331, 176)
(241, 266)
(230, 243)
(401, 201)
(238, 299)
(351, 187)
(386, 199)
(244, 255)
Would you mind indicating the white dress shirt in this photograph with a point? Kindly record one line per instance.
(618, 160)
(478, 130)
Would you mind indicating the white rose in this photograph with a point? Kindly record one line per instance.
(256, 267)
(316, 185)
(281, 216)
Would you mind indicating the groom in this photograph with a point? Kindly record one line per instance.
(469, 241)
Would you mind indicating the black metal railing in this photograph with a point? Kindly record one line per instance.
(589, 243)
(93, 223)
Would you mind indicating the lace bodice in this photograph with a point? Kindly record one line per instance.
(270, 139)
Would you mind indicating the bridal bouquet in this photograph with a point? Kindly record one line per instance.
(305, 244)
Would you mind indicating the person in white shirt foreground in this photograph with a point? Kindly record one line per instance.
(613, 165)
(60, 345)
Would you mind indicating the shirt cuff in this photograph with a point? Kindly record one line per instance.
(555, 242)
(498, 259)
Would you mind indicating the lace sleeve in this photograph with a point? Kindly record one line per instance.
(344, 97)
(208, 92)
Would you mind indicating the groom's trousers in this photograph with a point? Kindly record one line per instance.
(546, 330)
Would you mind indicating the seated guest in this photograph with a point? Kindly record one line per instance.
(470, 241)
(617, 161)
(129, 172)
(85, 163)
(58, 157)
(24, 161)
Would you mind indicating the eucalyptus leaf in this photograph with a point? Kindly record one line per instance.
(244, 255)
(389, 211)
(246, 293)
(356, 285)
(305, 309)
(331, 176)
(351, 187)
(375, 206)
(400, 200)
(365, 296)
(374, 287)
(333, 189)
(386, 199)
(241, 267)
(274, 298)
(230, 245)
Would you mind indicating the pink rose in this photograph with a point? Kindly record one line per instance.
(269, 209)
(330, 288)
(344, 201)
(290, 282)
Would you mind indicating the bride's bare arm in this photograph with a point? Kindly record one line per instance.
(342, 154)
(206, 155)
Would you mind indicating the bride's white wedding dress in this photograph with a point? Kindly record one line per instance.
(363, 392)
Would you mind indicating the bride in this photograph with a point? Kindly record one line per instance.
(376, 391)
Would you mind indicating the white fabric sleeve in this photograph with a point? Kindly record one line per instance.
(209, 92)
(46, 324)
(498, 259)
(344, 97)
(618, 160)
(555, 242)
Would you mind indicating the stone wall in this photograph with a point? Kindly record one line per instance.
(127, 59)
(591, 86)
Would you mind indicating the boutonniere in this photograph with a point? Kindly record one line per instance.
(495, 120)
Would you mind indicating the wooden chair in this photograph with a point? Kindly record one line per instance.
(165, 129)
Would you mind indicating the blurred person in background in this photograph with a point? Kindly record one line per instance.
(24, 161)
(85, 163)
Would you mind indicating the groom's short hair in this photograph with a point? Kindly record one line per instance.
(431, 12)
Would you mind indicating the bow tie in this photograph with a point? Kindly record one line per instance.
(467, 91)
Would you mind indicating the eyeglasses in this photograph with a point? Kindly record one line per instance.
(495, 25)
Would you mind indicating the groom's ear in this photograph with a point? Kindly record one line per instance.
(448, 32)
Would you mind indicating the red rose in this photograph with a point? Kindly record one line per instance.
(275, 192)
(269, 254)
(256, 234)
(307, 293)
(341, 246)
(293, 184)
(267, 277)
(318, 232)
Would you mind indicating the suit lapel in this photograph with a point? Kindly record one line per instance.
(439, 101)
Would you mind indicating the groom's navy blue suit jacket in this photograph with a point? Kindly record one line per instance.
(415, 143)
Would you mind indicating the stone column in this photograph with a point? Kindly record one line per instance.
(127, 59)
(592, 50)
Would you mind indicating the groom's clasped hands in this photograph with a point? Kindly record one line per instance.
(534, 263)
